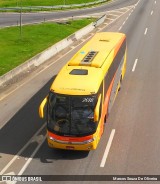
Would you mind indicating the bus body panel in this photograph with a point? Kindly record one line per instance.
(102, 73)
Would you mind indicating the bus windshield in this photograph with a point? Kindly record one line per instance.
(71, 115)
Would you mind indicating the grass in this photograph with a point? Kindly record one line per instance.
(15, 50)
(43, 5)
(14, 3)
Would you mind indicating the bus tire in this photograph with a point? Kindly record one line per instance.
(120, 83)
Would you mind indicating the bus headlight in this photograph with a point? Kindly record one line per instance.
(89, 141)
(51, 138)
(71, 142)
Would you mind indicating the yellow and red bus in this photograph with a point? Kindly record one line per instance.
(83, 93)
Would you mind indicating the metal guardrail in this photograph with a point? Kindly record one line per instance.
(30, 8)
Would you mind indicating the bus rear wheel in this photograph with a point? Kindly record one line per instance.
(120, 84)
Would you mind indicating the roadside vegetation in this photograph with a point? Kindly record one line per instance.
(45, 5)
(16, 49)
(14, 3)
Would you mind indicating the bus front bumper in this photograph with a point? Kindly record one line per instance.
(89, 144)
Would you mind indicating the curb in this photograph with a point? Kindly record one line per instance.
(42, 57)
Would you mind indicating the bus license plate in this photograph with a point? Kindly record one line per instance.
(70, 147)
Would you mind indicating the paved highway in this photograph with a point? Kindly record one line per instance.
(10, 19)
(132, 128)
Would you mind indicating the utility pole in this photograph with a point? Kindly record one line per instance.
(20, 18)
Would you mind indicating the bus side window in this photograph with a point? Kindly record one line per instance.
(114, 66)
(100, 92)
(107, 81)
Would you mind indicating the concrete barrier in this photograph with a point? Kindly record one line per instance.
(100, 21)
(48, 53)
(79, 34)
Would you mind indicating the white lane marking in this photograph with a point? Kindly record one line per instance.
(134, 66)
(107, 148)
(145, 31)
(124, 22)
(133, 8)
(120, 28)
(29, 160)
(109, 19)
(152, 12)
(138, 1)
(113, 15)
(20, 152)
(119, 9)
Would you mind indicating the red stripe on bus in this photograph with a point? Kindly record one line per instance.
(119, 46)
(64, 138)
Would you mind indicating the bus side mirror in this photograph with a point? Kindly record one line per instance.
(41, 108)
(97, 109)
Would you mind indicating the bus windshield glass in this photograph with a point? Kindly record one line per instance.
(71, 115)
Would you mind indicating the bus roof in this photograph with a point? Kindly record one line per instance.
(95, 51)
(84, 83)
(83, 74)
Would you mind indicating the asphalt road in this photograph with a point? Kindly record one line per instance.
(10, 19)
(134, 118)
